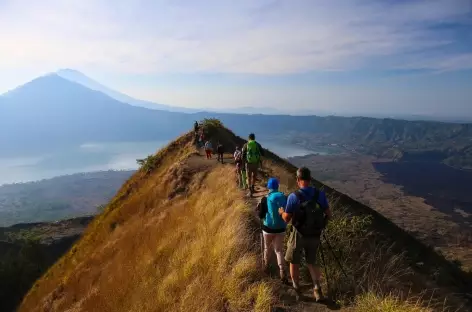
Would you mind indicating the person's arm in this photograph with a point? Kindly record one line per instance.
(292, 205)
(261, 150)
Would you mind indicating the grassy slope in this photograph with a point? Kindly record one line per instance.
(158, 249)
(180, 238)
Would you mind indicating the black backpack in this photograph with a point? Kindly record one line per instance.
(310, 218)
(261, 208)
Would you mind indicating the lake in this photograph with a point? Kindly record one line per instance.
(101, 156)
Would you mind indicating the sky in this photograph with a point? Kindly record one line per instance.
(343, 56)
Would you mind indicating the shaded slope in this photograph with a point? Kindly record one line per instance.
(179, 236)
(165, 243)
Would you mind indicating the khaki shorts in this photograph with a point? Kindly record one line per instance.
(297, 243)
(252, 169)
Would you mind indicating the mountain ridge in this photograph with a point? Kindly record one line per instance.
(179, 207)
(51, 111)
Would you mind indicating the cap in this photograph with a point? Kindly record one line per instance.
(273, 184)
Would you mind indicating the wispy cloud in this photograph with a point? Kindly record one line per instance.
(259, 37)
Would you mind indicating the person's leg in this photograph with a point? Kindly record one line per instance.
(311, 248)
(268, 239)
(315, 273)
(251, 168)
(244, 178)
(238, 177)
(249, 174)
(278, 248)
(293, 255)
(254, 177)
(295, 274)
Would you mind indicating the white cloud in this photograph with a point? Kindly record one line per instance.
(263, 37)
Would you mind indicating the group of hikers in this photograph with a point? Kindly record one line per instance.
(208, 147)
(304, 213)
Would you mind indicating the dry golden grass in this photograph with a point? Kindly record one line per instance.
(155, 249)
(371, 302)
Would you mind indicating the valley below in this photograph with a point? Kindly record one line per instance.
(428, 199)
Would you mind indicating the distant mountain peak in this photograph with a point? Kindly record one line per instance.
(80, 78)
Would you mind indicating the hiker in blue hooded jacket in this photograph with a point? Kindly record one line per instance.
(273, 226)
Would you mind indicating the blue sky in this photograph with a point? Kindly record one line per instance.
(343, 56)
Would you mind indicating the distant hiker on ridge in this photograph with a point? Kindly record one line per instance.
(195, 127)
(208, 149)
(252, 152)
(309, 211)
(240, 169)
(220, 151)
(273, 226)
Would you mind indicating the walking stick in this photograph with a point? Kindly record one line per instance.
(324, 266)
(335, 257)
(262, 247)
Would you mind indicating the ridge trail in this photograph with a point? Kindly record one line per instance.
(285, 293)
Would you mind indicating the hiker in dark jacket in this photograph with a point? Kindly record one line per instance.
(195, 127)
(220, 151)
(308, 210)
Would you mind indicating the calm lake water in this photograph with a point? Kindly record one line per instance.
(100, 156)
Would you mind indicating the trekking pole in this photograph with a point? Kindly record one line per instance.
(335, 257)
(262, 246)
(324, 266)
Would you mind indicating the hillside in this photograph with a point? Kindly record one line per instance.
(28, 250)
(179, 236)
(58, 198)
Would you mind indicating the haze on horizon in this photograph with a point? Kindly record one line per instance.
(349, 57)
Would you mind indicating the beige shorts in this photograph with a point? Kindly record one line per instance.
(251, 169)
(297, 244)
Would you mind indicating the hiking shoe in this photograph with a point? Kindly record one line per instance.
(318, 294)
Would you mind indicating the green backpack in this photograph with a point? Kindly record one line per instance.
(253, 155)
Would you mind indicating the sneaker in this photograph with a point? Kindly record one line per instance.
(318, 294)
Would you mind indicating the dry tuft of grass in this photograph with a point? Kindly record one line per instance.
(372, 302)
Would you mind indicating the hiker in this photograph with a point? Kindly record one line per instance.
(238, 160)
(308, 210)
(208, 149)
(195, 127)
(220, 151)
(252, 152)
(273, 226)
(202, 138)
